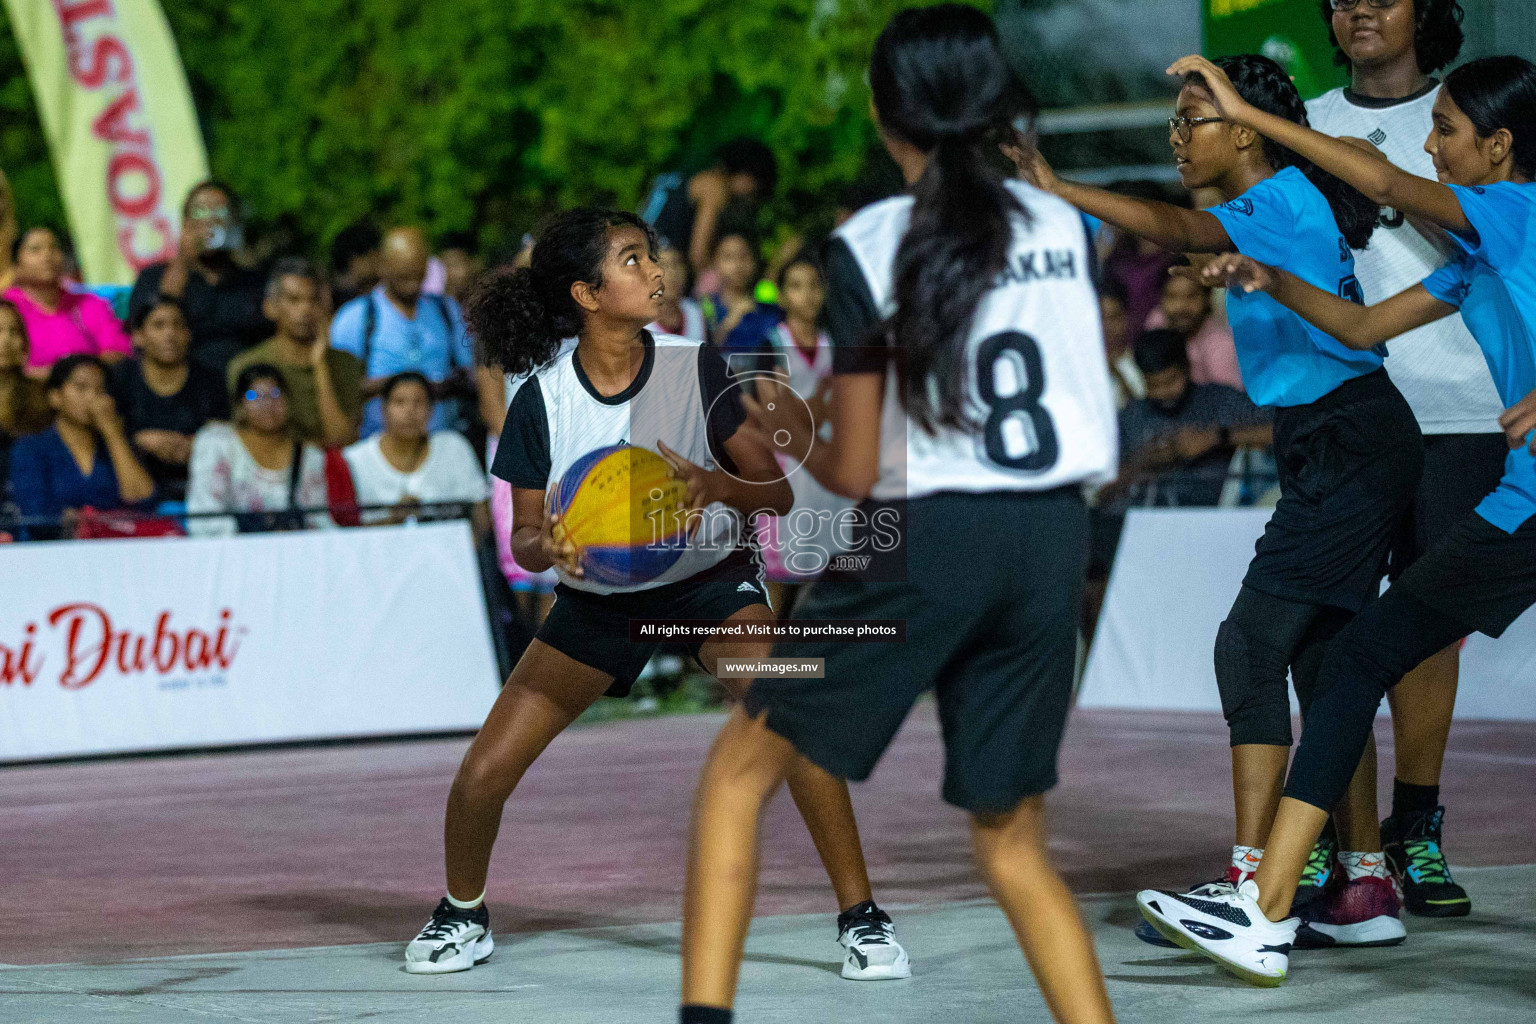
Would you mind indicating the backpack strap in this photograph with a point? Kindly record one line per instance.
(441, 303)
(295, 469)
(370, 325)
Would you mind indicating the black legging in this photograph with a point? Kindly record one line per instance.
(1371, 655)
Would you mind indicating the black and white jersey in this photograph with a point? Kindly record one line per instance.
(1038, 378)
(1438, 367)
(682, 396)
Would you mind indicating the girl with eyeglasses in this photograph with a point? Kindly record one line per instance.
(1482, 575)
(1347, 448)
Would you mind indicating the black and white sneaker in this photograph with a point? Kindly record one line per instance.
(1152, 937)
(454, 940)
(1228, 927)
(869, 938)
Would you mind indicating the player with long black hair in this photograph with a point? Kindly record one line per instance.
(1346, 445)
(594, 275)
(966, 402)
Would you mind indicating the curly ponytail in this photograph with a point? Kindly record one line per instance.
(521, 316)
(1265, 84)
(940, 82)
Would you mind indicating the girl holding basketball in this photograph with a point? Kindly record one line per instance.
(1347, 447)
(594, 275)
(965, 403)
(1481, 575)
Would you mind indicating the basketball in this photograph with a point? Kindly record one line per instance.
(623, 511)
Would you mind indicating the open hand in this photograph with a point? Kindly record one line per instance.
(557, 546)
(703, 484)
(779, 419)
(1238, 273)
(1032, 167)
(1224, 95)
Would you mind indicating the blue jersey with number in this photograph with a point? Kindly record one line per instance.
(1494, 286)
(1284, 221)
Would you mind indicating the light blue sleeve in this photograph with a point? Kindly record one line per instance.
(1449, 284)
(347, 326)
(1501, 222)
(463, 344)
(1261, 222)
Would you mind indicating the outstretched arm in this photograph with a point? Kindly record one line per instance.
(1354, 325)
(1172, 227)
(1380, 181)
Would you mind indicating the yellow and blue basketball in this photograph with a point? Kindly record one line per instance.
(624, 512)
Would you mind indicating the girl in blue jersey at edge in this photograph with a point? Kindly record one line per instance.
(1347, 447)
(1482, 576)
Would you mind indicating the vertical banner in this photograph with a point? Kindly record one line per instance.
(1290, 32)
(120, 124)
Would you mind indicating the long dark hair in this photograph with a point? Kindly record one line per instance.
(1437, 35)
(1500, 92)
(1265, 84)
(940, 82)
(521, 316)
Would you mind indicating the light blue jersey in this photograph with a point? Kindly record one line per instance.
(1494, 286)
(1284, 221)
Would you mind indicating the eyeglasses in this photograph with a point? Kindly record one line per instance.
(1185, 126)
(1349, 5)
(269, 395)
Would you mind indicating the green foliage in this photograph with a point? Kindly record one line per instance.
(486, 113)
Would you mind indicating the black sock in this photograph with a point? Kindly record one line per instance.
(1410, 799)
(703, 1015)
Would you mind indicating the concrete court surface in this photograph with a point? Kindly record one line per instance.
(279, 886)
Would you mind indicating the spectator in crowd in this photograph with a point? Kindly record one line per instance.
(254, 467)
(23, 399)
(1138, 265)
(1177, 443)
(354, 262)
(680, 314)
(689, 215)
(164, 398)
(7, 230)
(60, 322)
(85, 458)
(222, 299)
(406, 467)
(737, 322)
(1117, 344)
(1191, 308)
(461, 264)
(395, 328)
(324, 385)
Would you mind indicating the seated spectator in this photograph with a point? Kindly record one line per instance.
(1187, 306)
(23, 399)
(1117, 344)
(396, 328)
(84, 459)
(737, 322)
(164, 397)
(406, 467)
(60, 322)
(254, 467)
(1176, 444)
(687, 213)
(1138, 265)
(222, 300)
(325, 385)
(461, 262)
(680, 315)
(354, 262)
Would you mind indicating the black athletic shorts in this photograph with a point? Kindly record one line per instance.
(1460, 470)
(991, 600)
(594, 628)
(1477, 574)
(1348, 464)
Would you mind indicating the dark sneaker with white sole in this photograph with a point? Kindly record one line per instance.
(1414, 854)
(454, 940)
(868, 938)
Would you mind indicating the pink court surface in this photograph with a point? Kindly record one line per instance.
(113, 865)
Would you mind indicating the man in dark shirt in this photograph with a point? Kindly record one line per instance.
(164, 398)
(222, 300)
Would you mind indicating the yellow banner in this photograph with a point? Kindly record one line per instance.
(120, 124)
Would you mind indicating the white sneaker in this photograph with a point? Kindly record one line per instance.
(454, 940)
(873, 954)
(1228, 927)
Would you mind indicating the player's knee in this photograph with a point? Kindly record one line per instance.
(747, 756)
(479, 785)
(1253, 692)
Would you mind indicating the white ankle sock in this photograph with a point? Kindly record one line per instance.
(466, 904)
(1246, 858)
(1358, 864)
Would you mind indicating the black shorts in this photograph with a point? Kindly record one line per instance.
(594, 628)
(991, 601)
(1477, 574)
(1460, 470)
(1348, 464)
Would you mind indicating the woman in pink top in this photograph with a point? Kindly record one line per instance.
(1190, 308)
(60, 322)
